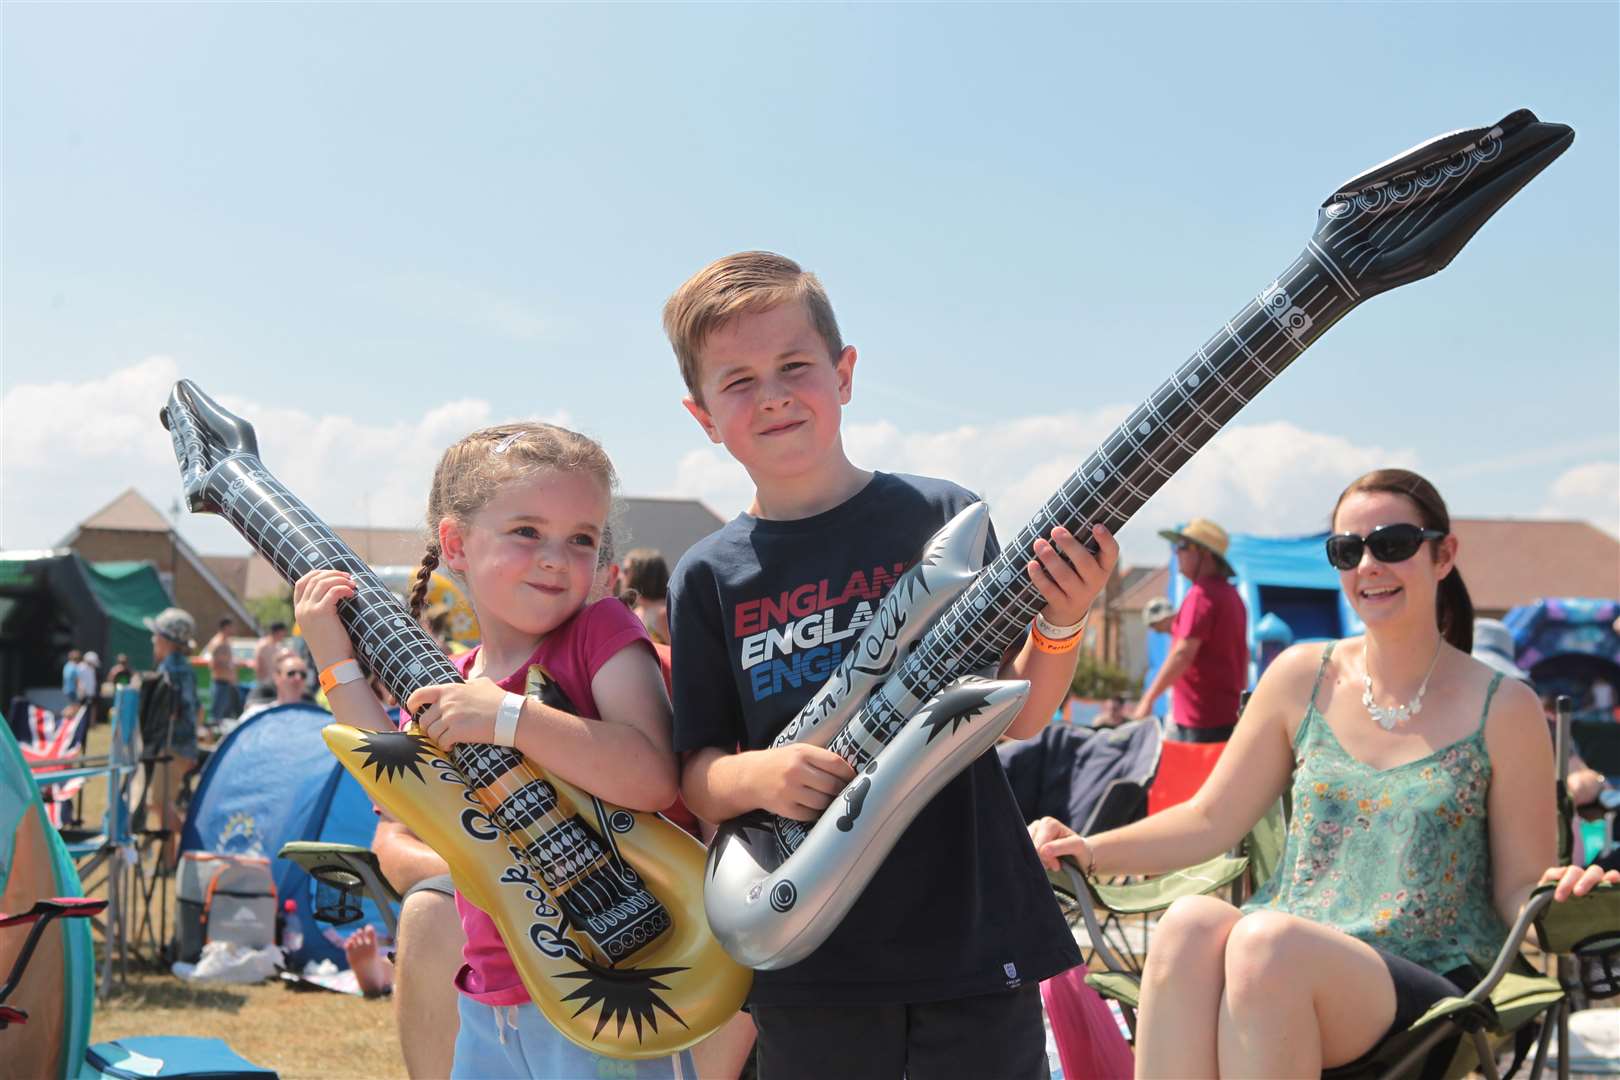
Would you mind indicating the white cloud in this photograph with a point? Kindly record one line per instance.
(1589, 492)
(70, 448)
(1272, 478)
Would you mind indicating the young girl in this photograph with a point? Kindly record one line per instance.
(1423, 817)
(518, 512)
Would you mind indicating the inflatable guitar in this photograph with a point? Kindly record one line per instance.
(599, 906)
(903, 708)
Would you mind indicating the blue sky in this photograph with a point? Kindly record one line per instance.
(371, 228)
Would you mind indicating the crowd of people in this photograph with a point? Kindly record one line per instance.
(1421, 813)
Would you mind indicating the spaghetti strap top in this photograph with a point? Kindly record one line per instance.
(1400, 857)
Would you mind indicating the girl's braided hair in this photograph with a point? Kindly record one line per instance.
(474, 469)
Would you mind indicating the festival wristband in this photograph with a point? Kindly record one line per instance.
(506, 720)
(1058, 633)
(1047, 645)
(344, 671)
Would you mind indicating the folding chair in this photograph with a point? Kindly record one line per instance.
(1512, 995)
(344, 873)
(103, 855)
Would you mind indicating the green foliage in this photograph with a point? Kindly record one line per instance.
(269, 609)
(1095, 679)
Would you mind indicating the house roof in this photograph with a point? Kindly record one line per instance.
(129, 512)
(1507, 562)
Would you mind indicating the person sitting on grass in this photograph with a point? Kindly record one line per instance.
(1422, 819)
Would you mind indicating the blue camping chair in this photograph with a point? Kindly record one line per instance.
(51, 968)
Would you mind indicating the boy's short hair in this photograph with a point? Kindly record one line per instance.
(745, 282)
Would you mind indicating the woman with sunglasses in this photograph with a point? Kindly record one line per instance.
(1422, 818)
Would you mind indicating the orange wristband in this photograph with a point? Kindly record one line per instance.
(1055, 647)
(344, 671)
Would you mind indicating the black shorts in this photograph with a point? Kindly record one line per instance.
(1416, 991)
(993, 1037)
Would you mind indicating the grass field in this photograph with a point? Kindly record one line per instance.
(298, 1033)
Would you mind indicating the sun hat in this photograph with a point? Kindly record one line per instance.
(1156, 609)
(175, 624)
(1207, 535)
(1493, 647)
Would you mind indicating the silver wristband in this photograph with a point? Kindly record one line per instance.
(506, 720)
(1058, 633)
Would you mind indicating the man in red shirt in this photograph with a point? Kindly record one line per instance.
(1208, 665)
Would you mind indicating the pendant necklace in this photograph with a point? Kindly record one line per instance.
(1396, 714)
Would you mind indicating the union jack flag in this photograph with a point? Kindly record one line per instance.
(49, 740)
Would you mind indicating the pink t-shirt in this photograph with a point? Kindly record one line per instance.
(1207, 693)
(573, 654)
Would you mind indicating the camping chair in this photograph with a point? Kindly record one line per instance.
(345, 874)
(103, 855)
(1512, 995)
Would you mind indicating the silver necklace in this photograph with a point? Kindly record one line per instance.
(1395, 714)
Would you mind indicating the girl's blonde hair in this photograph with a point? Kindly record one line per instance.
(474, 469)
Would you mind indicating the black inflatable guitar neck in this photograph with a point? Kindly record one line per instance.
(222, 474)
(1398, 222)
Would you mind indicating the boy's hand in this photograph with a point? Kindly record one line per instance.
(315, 601)
(1069, 576)
(458, 712)
(797, 781)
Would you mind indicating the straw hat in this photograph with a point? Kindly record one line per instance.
(1493, 647)
(1207, 535)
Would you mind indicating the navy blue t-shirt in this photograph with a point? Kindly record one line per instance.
(760, 613)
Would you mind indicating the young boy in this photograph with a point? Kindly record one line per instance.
(935, 970)
(168, 721)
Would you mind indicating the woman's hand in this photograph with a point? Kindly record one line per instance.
(458, 712)
(315, 608)
(1053, 840)
(1577, 880)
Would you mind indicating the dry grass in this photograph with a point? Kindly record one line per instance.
(298, 1033)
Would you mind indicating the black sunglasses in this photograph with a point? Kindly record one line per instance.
(1388, 544)
(302, 673)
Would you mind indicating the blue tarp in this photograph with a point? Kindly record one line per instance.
(273, 780)
(1286, 577)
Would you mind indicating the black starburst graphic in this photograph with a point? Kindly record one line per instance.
(624, 993)
(754, 830)
(393, 753)
(957, 708)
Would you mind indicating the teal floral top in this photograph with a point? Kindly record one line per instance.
(1399, 858)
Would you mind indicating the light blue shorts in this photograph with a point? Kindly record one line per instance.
(516, 1041)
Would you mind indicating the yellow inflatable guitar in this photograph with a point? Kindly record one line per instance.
(601, 908)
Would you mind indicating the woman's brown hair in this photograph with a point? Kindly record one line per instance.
(1453, 609)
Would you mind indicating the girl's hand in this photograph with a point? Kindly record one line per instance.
(1577, 880)
(1053, 840)
(458, 712)
(315, 601)
(1069, 576)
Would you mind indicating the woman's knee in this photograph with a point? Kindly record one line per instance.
(1264, 954)
(1193, 927)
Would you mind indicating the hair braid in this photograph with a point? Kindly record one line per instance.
(424, 574)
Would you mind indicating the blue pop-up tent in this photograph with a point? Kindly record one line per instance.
(1289, 589)
(273, 780)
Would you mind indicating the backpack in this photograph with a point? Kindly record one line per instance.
(223, 898)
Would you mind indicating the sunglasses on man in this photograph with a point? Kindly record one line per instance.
(1388, 544)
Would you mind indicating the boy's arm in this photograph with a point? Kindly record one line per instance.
(1069, 576)
(796, 781)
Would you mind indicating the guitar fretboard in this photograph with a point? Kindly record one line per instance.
(602, 893)
(1179, 418)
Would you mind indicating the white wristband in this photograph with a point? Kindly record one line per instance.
(506, 720)
(1058, 633)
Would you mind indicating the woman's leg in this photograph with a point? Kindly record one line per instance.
(1300, 996)
(1181, 989)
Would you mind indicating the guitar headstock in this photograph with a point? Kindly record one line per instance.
(204, 434)
(1407, 217)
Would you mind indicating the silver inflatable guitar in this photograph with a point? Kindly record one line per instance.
(903, 707)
